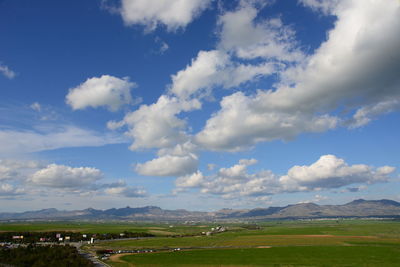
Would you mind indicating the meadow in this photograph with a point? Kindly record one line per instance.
(274, 243)
(292, 243)
(354, 256)
(102, 227)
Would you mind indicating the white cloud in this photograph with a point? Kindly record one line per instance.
(329, 172)
(17, 169)
(51, 137)
(163, 46)
(245, 120)
(169, 165)
(248, 162)
(7, 190)
(365, 114)
(200, 74)
(108, 91)
(6, 71)
(360, 72)
(126, 191)
(240, 37)
(215, 68)
(237, 182)
(190, 180)
(232, 182)
(332, 172)
(65, 177)
(361, 68)
(248, 39)
(33, 178)
(326, 6)
(171, 161)
(36, 106)
(174, 14)
(157, 125)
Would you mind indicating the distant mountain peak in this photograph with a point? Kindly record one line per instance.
(357, 201)
(356, 208)
(382, 201)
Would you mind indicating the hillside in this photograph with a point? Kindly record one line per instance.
(356, 208)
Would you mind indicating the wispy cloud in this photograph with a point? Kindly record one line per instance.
(6, 71)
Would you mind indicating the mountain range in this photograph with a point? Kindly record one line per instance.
(357, 208)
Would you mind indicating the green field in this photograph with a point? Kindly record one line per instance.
(278, 234)
(356, 256)
(294, 243)
(115, 227)
(274, 243)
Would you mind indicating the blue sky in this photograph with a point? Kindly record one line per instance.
(198, 104)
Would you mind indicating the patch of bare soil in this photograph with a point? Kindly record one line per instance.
(117, 257)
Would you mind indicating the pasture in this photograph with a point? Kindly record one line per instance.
(349, 256)
(103, 227)
(342, 243)
(292, 243)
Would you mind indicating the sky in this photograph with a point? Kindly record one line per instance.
(198, 104)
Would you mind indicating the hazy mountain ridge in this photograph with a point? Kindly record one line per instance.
(356, 208)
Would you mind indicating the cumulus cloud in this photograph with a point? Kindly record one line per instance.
(6, 71)
(8, 190)
(244, 120)
(360, 72)
(157, 125)
(268, 39)
(179, 160)
(329, 172)
(341, 83)
(65, 177)
(126, 191)
(246, 51)
(343, 72)
(120, 189)
(11, 169)
(215, 68)
(169, 165)
(237, 182)
(174, 14)
(108, 91)
(192, 180)
(232, 182)
(32, 178)
(332, 172)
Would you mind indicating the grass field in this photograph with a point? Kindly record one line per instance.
(294, 233)
(290, 243)
(357, 256)
(325, 243)
(115, 227)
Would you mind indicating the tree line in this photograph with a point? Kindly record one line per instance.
(43, 256)
(33, 237)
